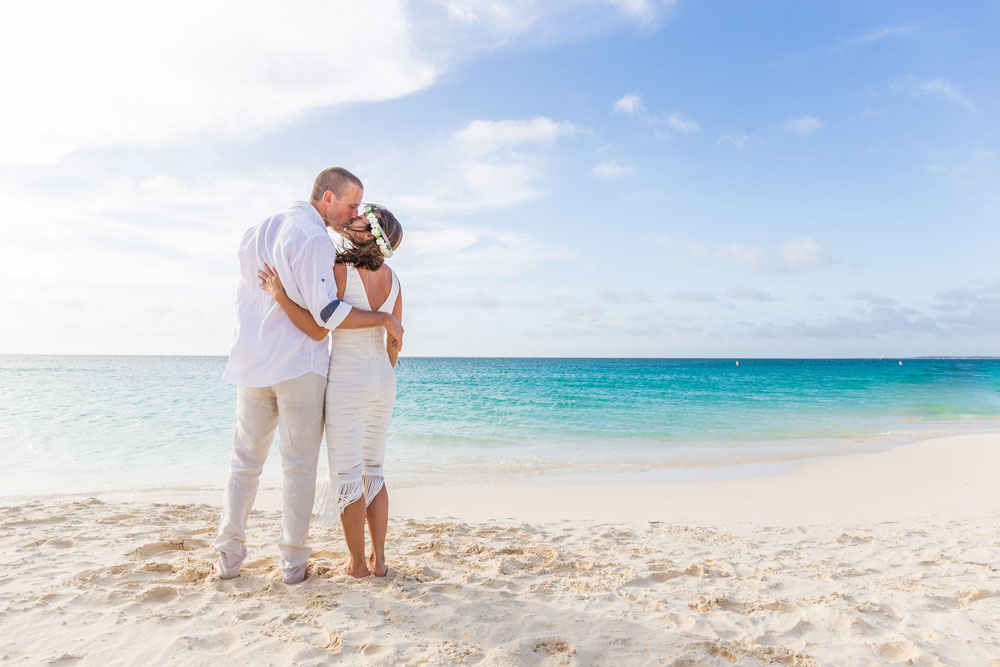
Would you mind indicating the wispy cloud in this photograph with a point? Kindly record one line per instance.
(964, 171)
(739, 140)
(874, 322)
(802, 125)
(644, 10)
(940, 88)
(611, 169)
(879, 35)
(874, 299)
(681, 123)
(744, 293)
(694, 296)
(631, 104)
(799, 254)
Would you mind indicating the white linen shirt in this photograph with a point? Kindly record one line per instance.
(268, 347)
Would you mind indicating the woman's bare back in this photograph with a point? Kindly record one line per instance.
(377, 283)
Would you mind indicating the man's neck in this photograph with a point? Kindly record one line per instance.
(316, 205)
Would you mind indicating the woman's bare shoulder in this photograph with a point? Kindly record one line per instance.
(340, 277)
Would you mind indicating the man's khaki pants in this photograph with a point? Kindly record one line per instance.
(295, 407)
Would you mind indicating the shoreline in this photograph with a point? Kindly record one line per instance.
(947, 476)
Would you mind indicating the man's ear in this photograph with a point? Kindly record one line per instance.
(328, 197)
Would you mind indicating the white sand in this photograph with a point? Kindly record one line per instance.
(863, 560)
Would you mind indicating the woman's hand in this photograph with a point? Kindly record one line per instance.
(270, 282)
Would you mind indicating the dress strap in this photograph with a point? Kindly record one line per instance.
(390, 300)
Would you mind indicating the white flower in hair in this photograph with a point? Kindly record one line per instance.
(380, 238)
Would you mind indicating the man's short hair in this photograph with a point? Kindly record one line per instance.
(335, 179)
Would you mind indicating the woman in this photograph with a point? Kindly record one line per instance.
(361, 389)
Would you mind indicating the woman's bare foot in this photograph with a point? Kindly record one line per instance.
(379, 569)
(356, 570)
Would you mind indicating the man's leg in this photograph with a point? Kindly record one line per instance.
(300, 424)
(256, 419)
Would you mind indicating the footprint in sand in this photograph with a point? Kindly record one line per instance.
(707, 604)
(157, 567)
(158, 594)
(553, 646)
(975, 595)
(177, 544)
(59, 543)
(902, 650)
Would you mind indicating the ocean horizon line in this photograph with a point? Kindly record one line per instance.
(714, 358)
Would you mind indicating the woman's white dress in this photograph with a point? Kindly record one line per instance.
(360, 394)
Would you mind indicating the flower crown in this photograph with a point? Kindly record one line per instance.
(380, 238)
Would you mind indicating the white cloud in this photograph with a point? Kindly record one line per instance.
(800, 254)
(104, 73)
(695, 248)
(483, 137)
(804, 253)
(611, 169)
(644, 10)
(110, 74)
(629, 104)
(487, 164)
(462, 251)
(939, 88)
(748, 256)
(738, 140)
(505, 17)
(802, 125)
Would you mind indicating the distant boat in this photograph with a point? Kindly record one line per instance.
(737, 363)
(901, 363)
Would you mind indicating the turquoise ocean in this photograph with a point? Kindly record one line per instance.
(83, 424)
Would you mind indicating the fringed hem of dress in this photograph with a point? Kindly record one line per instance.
(373, 484)
(330, 505)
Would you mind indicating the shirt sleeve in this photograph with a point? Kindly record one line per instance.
(314, 277)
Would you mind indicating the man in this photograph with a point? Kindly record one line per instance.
(280, 371)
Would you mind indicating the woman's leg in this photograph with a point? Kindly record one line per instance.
(373, 456)
(353, 521)
(378, 523)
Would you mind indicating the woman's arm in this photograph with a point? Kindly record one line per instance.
(300, 317)
(393, 347)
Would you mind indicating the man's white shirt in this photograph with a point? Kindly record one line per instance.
(269, 348)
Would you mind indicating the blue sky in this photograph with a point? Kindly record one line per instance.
(616, 178)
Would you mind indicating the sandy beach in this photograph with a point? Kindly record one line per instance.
(873, 559)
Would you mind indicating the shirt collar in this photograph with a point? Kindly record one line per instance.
(311, 212)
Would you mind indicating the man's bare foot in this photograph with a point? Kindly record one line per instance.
(377, 568)
(356, 570)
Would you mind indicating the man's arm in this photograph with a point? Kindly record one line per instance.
(314, 278)
(364, 319)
